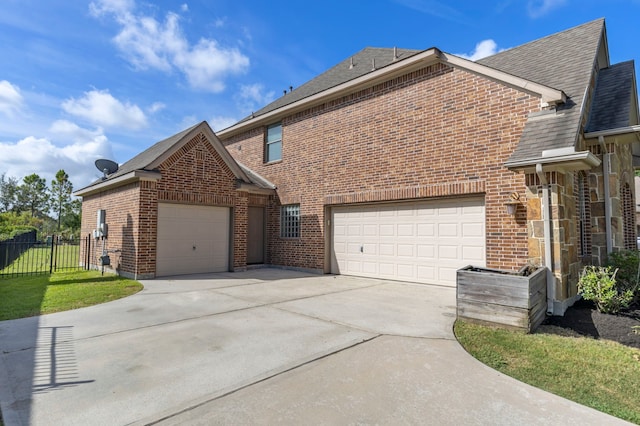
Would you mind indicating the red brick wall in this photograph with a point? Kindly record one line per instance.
(194, 174)
(432, 133)
(123, 217)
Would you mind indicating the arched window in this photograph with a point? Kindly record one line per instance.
(628, 217)
(583, 214)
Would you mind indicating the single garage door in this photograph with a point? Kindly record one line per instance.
(192, 239)
(422, 242)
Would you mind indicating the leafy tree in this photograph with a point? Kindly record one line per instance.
(12, 223)
(61, 189)
(8, 191)
(71, 219)
(33, 195)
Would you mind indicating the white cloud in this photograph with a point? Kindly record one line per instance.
(150, 44)
(43, 157)
(483, 49)
(538, 8)
(184, 7)
(100, 108)
(219, 122)
(253, 97)
(111, 6)
(206, 63)
(155, 107)
(11, 100)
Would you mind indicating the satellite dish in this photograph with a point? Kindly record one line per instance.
(107, 167)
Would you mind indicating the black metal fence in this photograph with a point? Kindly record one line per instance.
(26, 256)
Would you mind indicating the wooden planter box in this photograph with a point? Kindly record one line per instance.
(501, 297)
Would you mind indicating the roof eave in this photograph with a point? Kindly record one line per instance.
(549, 95)
(125, 179)
(417, 61)
(620, 131)
(583, 160)
(254, 189)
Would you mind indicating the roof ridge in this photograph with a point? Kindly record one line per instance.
(543, 39)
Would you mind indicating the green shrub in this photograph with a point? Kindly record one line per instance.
(626, 262)
(598, 283)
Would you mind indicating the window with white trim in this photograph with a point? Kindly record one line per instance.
(273, 143)
(290, 221)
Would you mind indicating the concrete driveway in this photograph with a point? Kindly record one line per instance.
(262, 347)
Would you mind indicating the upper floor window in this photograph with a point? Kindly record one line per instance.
(273, 143)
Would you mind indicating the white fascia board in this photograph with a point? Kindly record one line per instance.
(612, 132)
(133, 176)
(549, 95)
(417, 61)
(583, 160)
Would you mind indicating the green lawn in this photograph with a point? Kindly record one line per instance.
(599, 374)
(38, 259)
(26, 296)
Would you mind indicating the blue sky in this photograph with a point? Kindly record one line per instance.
(81, 80)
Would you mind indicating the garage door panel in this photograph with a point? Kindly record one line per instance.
(422, 241)
(405, 250)
(426, 273)
(472, 230)
(475, 254)
(448, 230)
(387, 230)
(426, 229)
(447, 252)
(406, 230)
(192, 239)
(426, 252)
(386, 249)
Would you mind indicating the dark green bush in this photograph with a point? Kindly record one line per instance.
(626, 262)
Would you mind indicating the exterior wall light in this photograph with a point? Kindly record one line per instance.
(512, 204)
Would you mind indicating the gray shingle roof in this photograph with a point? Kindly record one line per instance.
(356, 66)
(563, 61)
(144, 160)
(611, 107)
(148, 156)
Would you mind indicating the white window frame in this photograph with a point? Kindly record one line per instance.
(268, 142)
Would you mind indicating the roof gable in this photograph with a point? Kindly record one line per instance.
(147, 162)
(566, 60)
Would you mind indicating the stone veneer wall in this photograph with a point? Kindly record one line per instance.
(567, 262)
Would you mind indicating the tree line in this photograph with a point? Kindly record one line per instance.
(32, 204)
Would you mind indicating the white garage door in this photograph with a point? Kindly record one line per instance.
(192, 239)
(421, 242)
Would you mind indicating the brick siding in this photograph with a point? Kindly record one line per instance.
(194, 174)
(436, 132)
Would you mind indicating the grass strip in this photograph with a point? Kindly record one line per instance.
(26, 296)
(600, 374)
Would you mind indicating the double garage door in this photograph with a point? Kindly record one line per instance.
(192, 239)
(422, 242)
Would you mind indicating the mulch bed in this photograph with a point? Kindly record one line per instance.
(582, 319)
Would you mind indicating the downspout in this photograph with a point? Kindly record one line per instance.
(548, 257)
(606, 159)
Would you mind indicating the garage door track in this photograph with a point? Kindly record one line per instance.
(262, 347)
